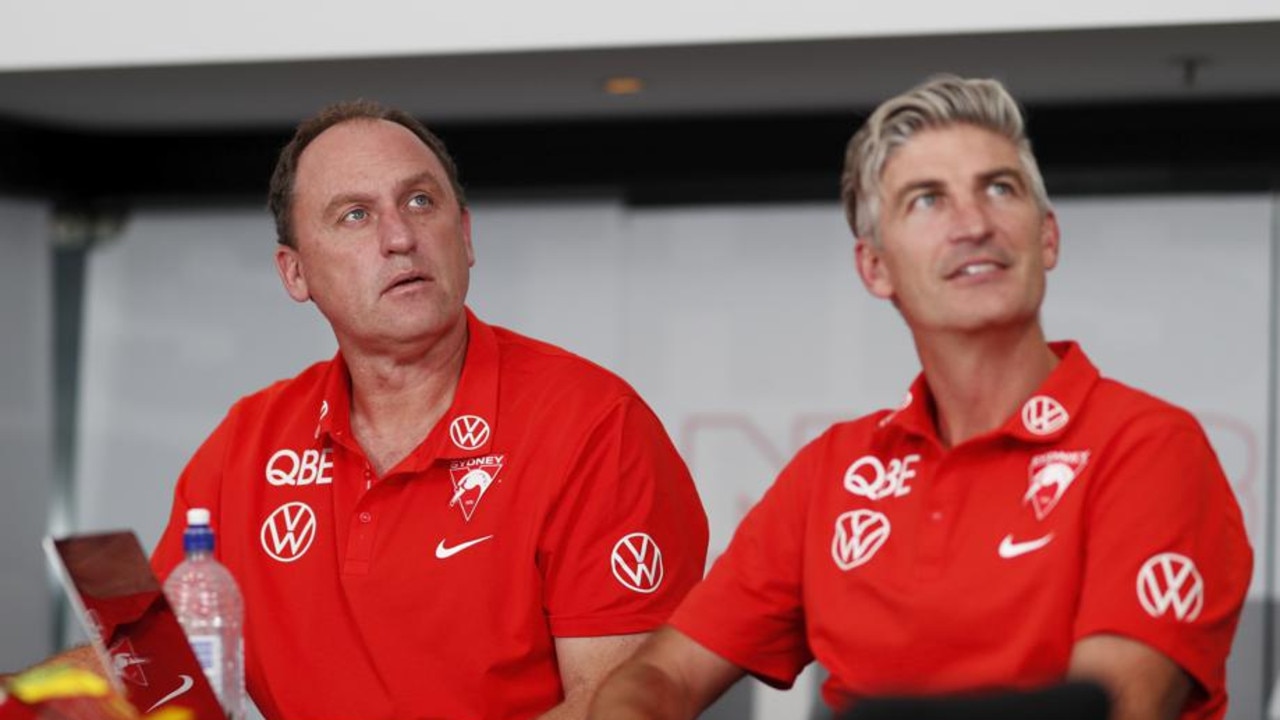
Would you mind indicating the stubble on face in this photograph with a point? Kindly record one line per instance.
(383, 247)
(962, 244)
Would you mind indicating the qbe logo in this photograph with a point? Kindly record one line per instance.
(869, 478)
(859, 534)
(288, 532)
(637, 563)
(312, 467)
(1169, 581)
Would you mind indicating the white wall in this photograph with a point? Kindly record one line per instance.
(26, 430)
(183, 314)
(744, 327)
(38, 35)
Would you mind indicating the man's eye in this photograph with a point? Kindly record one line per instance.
(355, 215)
(421, 200)
(1000, 189)
(924, 201)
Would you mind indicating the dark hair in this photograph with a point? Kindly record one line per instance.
(280, 196)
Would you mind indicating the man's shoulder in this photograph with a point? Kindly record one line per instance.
(861, 434)
(310, 381)
(1121, 404)
(555, 369)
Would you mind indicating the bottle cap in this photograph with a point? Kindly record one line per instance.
(198, 516)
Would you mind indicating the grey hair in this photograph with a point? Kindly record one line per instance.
(940, 101)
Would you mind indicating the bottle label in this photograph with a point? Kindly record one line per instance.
(208, 650)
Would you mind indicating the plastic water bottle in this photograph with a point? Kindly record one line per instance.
(208, 604)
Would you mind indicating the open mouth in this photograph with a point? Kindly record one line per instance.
(406, 281)
(976, 268)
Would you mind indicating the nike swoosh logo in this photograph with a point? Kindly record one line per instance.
(1010, 549)
(187, 684)
(443, 551)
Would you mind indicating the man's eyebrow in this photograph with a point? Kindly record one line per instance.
(338, 201)
(1003, 172)
(426, 177)
(913, 186)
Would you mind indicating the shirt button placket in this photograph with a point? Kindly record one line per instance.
(361, 532)
(939, 517)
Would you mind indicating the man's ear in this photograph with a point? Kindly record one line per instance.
(466, 237)
(869, 260)
(289, 265)
(1050, 239)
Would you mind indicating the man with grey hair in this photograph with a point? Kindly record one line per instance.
(1016, 521)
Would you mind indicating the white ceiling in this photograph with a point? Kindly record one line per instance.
(137, 33)
(1059, 66)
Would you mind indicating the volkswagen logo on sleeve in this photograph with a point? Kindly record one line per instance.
(858, 536)
(1169, 582)
(637, 563)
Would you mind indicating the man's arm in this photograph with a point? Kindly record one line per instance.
(584, 662)
(670, 677)
(1144, 684)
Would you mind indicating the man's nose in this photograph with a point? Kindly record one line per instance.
(394, 233)
(970, 220)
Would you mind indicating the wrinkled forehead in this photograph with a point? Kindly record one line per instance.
(361, 143)
(363, 155)
(950, 150)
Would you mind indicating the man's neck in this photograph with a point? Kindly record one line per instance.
(979, 380)
(398, 397)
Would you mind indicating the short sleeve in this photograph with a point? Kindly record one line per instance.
(749, 610)
(626, 538)
(1167, 562)
(198, 486)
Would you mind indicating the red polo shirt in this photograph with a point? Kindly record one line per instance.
(548, 502)
(906, 567)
